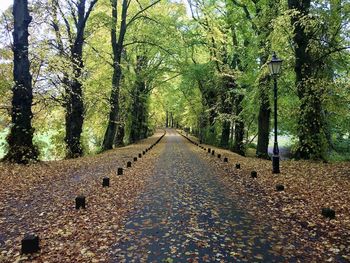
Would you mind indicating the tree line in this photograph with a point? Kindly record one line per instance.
(102, 73)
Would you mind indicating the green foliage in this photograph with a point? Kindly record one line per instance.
(196, 69)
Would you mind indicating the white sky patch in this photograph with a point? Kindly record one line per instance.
(4, 4)
(188, 9)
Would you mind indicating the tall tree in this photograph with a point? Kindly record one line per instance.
(259, 15)
(311, 121)
(20, 139)
(263, 30)
(73, 101)
(117, 41)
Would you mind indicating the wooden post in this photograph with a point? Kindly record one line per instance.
(80, 202)
(105, 182)
(254, 174)
(280, 187)
(30, 244)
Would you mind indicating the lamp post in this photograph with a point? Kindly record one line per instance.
(275, 66)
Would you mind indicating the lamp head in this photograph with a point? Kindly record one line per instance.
(275, 65)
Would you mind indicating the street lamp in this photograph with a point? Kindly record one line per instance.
(275, 66)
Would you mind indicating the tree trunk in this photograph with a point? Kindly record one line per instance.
(74, 95)
(171, 119)
(202, 125)
(111, 132)
(225, 134)
(135, 116)
(74, 120)
(166, 119)
(238, 146)
(112, 135)
(264, 31)
(119, 139)
(263, 121)
(311, 136)
(138, 117)
(144, 118)
(20, 139)
(227, 109)
(74, 103)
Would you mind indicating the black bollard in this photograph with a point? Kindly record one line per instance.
(140, 155)
(135, 159)
(238, 166)
(120, 171)
(143, 152)
(279, 187)
(225, 160)
(219, 155)
(80, 202)
(328, 213)
(105, 182)
(128, 164)
(209, 150)
(213, 152)
(254, 174)
(30, 244)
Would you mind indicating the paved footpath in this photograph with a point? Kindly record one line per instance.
(186, 215)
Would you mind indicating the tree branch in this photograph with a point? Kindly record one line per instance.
(140, 12)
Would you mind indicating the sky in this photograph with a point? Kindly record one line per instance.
(4, 4)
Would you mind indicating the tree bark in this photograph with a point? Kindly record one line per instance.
(238, 146)
(119, 139)
(113, 123)
(227, 109)
(166, 119)
(171, 119)
(20, 139)
(74, 92)
(263, 121)
(75, 109)
(225, 134)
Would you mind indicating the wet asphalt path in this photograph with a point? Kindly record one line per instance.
(186, 215)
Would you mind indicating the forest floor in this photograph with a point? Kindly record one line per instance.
(176, 204)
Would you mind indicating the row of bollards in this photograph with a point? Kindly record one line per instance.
(30, 242)
(326, 212)
(253, 174)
